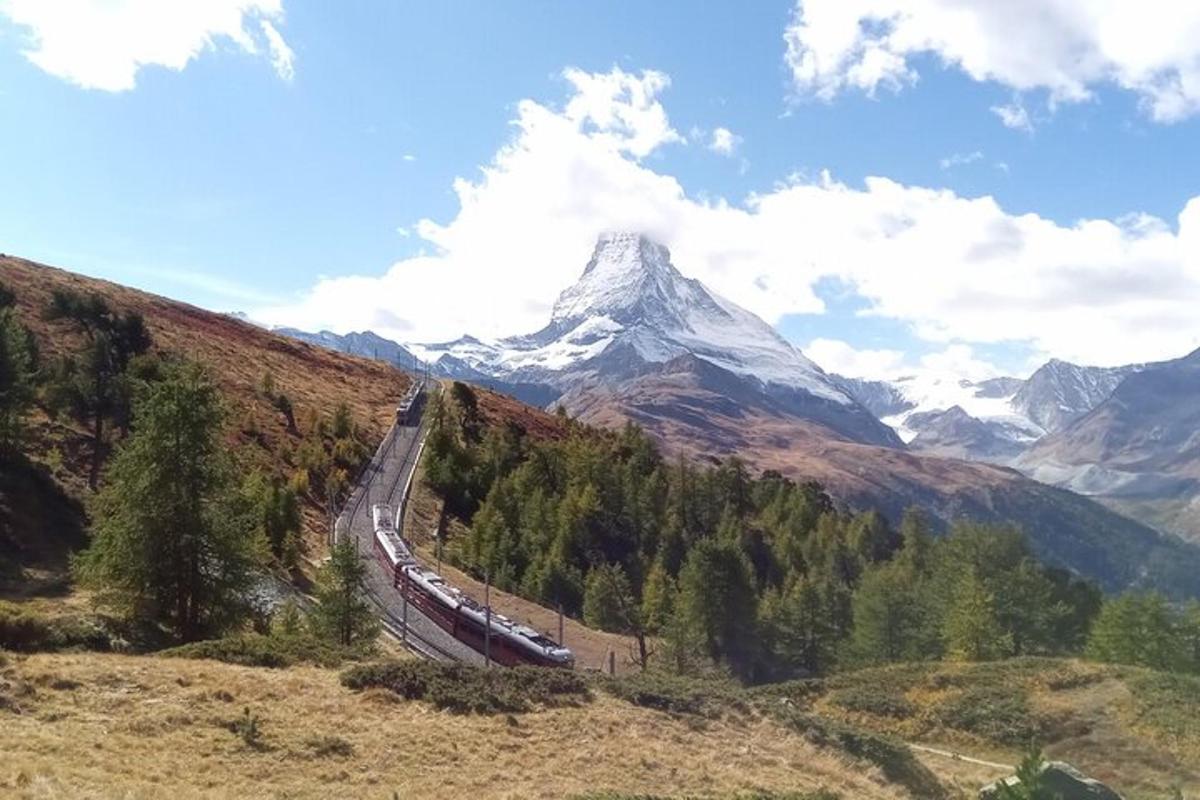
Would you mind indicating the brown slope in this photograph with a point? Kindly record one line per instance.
(691, 411)
(238, 354)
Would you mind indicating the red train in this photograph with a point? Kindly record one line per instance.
(510, 643)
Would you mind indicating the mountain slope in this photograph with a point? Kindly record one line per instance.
(1141, 446)
(238, 356)
(997, 418)
(1060, 392)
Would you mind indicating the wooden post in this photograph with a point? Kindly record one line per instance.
(487, 616)
(560, 625)
(612, 662)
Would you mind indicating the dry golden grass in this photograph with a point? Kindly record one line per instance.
(1086, 715)
(101, 726)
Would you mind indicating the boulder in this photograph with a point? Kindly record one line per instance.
(1062, 781)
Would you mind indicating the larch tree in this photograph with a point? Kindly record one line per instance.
(342, 615)
(174, 537)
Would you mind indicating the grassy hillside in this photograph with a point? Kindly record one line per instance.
(238, 355)
(1134, 729)
(144, 727)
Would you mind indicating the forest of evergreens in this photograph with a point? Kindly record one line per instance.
(761, 575)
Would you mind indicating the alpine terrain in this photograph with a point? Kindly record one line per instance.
(635, 340)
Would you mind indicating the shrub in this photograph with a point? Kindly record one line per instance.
(326, 746)
(272, 651)
(995, 713)
(25, 631)
(247, 727)
(465, 689)
(882, 701)
(676, 694)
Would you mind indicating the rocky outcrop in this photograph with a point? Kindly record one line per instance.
(1061, 781)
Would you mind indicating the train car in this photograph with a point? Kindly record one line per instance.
(407, 410)
(510, 644)
(391, 550)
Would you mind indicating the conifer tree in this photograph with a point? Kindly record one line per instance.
(18, 369)
(91, 384)
(971, 628)
(174, 537)
(718, 604)
(341, 615)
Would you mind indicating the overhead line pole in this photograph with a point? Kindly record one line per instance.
(487, 615)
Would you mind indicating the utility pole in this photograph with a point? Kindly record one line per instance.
(404, 608)
(487, 615)
(560, 626)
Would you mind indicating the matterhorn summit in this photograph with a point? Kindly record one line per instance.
(631, 305)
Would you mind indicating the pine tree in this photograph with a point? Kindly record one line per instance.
(17, 374)
(174, 537)
(342, 616)
(718, 604)
(891, 620)
(609, 604)
(91, 385)
(1140, 629)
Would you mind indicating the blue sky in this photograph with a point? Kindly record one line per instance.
(235, 183)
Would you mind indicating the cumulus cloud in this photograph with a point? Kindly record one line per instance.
(956, 361)
(842, 358)
(1065, 47)
(954, 269)
(102, 44)
(1014, 115)
(724, 142)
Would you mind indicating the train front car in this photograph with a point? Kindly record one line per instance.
(389, 547)
(541, 650)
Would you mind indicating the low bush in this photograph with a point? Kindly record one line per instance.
(247, 727)
(330, 746)
(995, 713)
(677, 694)
(881, 701)
(268, 650)
(25, 631)
(465, 689)
(1166, 703)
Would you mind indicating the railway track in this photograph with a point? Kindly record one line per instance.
(388, 474)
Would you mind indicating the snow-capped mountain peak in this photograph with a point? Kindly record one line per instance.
(631, 294)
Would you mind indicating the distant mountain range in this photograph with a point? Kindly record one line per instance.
(633, 339)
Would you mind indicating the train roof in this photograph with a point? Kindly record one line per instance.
(501, 625)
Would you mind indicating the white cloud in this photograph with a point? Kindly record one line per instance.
(724, 141)
(954, 269)
(408, 157)
(102, 44)
(1014, 115)
(282, 57)
(960, 159)
(621, 108)
(841, 358)
(956, 361)
(1065, 47)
